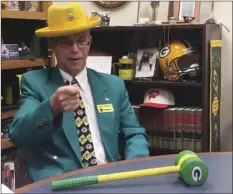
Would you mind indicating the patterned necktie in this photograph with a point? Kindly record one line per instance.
(84, 133)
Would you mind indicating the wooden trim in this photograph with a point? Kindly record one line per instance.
(6, 143)
(157, 83)
(176, 9)
(28, 15)
(147, 28)
(15, 64)
(45, 6)
(207, 37)
(8, 113)
(75, 172)
(197, 11)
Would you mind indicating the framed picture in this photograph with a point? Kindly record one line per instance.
(146, 62)
(105, 17)
(186, 8)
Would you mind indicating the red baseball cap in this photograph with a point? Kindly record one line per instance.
(158, 98)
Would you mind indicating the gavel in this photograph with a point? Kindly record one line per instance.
(191, 168)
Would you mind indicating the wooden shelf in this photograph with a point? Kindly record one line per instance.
(8, 113)
(28, 15)
(188, 26)
(164, 83)
(15, 64)
(6, 143)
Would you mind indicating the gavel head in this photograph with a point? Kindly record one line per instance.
(193, 170)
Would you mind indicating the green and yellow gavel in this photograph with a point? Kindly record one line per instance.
(192, 169)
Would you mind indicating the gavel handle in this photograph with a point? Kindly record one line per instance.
(90, 180)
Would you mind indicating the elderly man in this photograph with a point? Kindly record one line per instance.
(70, 116)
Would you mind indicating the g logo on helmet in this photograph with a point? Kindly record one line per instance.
(196, 173)
(164, 52)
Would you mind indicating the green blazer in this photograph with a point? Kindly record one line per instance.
(50, 147)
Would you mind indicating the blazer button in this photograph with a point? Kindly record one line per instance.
(45, 121)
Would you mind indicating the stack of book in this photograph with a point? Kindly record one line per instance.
(175, 128)
(8, 170)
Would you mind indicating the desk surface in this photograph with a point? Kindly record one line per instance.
(219, 180)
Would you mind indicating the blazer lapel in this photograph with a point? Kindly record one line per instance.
(55, 80)
(101, 97)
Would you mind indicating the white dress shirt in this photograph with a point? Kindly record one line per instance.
(85, 92)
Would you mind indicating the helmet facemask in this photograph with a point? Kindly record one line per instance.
(184, 68)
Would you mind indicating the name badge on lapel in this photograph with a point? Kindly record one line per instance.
(103, 108)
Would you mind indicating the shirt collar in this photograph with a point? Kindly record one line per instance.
(81, 78)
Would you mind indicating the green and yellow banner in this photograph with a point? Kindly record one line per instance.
(215, 93)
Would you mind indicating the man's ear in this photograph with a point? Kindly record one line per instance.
(89, 46)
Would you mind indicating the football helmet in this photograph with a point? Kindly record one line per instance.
(179, 61)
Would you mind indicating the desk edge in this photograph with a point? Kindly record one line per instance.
(50, 179)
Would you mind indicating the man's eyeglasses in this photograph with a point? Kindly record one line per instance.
(68, 42)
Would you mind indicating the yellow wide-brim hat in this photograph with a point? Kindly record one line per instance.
(66, 20)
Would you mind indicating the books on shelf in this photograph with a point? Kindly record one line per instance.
(8, 175)
(175, 128)
(8, 168)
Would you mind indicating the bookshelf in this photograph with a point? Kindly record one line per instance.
(187, 94)
(15, 64)
(8, 113)
(5, 144)
(19, 26)
(25, 15)
(24, 23)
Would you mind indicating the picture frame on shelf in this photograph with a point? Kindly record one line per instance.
(146, 62)
(152, 11)
(186, 8)
(105, 17)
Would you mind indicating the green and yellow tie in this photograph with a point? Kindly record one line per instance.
(84, 133)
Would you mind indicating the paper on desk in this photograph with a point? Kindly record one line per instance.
(5, 189)
(101, 64)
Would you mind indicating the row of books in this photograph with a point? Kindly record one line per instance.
(173, 128)
(8, 169)
(8, 175)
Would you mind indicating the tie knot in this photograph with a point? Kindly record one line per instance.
(74, 81)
